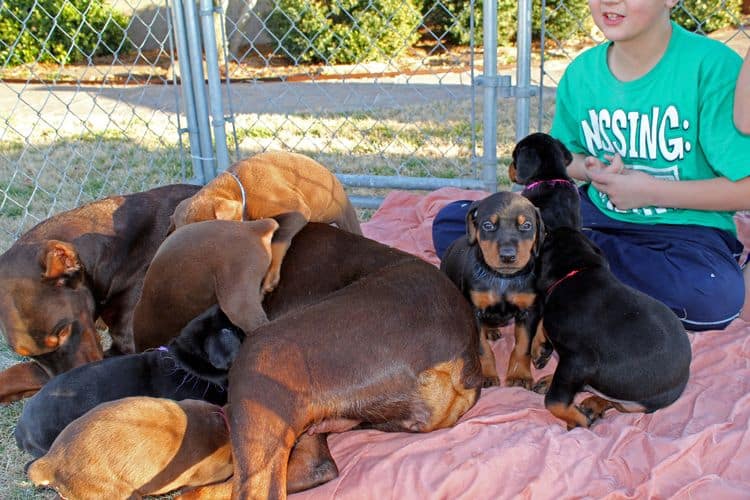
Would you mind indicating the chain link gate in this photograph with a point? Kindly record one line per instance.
(105, 105)
(358, 119)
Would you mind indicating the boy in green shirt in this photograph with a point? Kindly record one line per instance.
(648, 118)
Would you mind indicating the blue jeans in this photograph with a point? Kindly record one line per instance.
(694, 270)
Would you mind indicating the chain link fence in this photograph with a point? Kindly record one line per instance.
(101, 98)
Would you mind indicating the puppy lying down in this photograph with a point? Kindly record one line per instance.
(137, 446)
(163, 373)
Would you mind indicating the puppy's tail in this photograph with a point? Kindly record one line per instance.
(40, 472)
(348, 220)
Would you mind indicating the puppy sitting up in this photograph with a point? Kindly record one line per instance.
(624, 346)
(494, 266)
(540, 164)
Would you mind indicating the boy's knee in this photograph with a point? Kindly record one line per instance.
(711, 303)
(449, 225)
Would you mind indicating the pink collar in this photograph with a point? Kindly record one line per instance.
(223, 415)
(548, 181)
(569, 275)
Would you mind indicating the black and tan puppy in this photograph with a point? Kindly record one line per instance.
(494, 266)
(614, 341)
(539, 163)
(211, 342)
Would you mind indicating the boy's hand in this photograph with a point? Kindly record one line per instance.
(594, 164)
(626, 188)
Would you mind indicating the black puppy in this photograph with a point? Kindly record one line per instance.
(164, 373)
(539, 164)
(614, 341)
(494, 266)
(207, 346)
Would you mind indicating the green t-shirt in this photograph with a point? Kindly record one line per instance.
(675, 122)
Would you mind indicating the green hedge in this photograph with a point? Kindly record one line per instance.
(564, 19)
(345, 31)
(60, 31)
(706, 16)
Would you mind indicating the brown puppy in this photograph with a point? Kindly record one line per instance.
(212, 262)
(140, 446)
(307, 372)
(272, 184)
(137, 446)
(321, 260)
(494, 266)
(72, 269)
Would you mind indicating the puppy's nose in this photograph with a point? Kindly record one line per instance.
(507, 255)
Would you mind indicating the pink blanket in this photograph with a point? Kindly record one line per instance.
(509, 446)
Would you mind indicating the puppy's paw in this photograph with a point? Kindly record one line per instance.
(513, 381)
(542, 385)
(587, 418)
(270, 281)
(493, 334)
(594, 406)
(540, 354)
(490, 382)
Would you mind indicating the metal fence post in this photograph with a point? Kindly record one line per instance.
(195, 55)
(186, 85)
(523, 69)
(214, 84)
(489, 81)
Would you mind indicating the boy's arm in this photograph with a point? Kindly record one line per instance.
(633, 189)
(742, 97)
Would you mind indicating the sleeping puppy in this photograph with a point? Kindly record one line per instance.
(140, 446)
(137, 446)
(193, 366)
(494, 266)
(627, 348)
(540, 164)
(199, 265)
(289, 187)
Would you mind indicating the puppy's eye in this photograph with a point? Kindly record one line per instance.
(488, 226)
(526, 226)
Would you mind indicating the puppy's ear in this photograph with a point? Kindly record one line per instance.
(228, 209)
(172, 226)
(512, 171)
(566, 155)
(540, 232)
(222, 347)
(59, 261)
(471, 222)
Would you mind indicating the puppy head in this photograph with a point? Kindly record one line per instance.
(508, 229)
(207, 346)
(47, 310)
(201, 207)
(537, 157)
